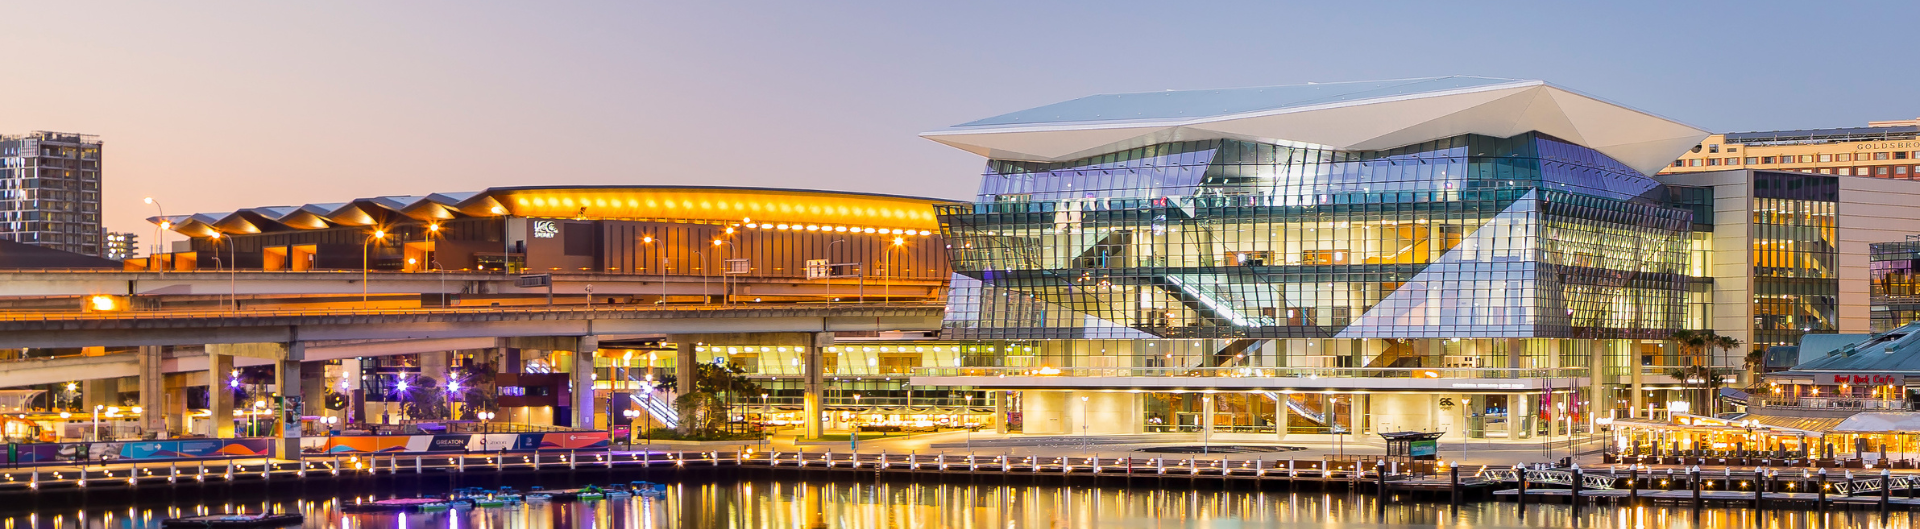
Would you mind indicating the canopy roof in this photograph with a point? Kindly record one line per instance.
(1365, 115)
(673, 203)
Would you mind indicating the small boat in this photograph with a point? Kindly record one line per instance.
(538, 497)
(235, 520)
(590, 496)
(398, 505)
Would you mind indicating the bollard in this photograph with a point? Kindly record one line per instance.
(1759, 486)
(1380, 491)
(416, 465)
(1886, 490)
(1453, 496)
(1573, 500)
(1822, 487)
(1633, 484)
(1520, 473)
(1693, 479)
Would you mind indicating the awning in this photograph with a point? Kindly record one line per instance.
(1813, 425)
(1880, 422)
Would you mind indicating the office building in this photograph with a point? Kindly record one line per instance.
(1882, 149)
(122, 245)
(50, 191)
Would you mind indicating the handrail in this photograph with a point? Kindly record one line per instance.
(1255, 372)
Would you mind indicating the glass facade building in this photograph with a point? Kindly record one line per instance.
(1302, 260)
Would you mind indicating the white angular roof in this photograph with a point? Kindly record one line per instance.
(1366, 115)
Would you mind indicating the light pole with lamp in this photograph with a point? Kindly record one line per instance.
(158, 229)
(886, 258)
(726, 294)
(486, 418)
(433, 259)
(830, 270)
(233, 283)
(96, 421)
(253, 419)
(506, 243)
(1085, 440)
(853, 430)
(366, 262)
(968, 424)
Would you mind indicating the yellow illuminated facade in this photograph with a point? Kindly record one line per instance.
(1883, 149)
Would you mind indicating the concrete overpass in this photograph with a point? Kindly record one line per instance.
(137, 328)
(256, 288)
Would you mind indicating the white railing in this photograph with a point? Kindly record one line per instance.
(1252, 372)
(1843, 403)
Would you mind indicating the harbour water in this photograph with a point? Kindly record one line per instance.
(764, 502)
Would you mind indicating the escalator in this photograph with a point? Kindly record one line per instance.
(1207, 304)
(662, 411)
(1300, 407)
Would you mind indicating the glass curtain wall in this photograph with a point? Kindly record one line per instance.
(1896, 287)
(1795, 248)
(1527, 236)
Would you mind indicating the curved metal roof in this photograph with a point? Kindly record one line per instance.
(771, 206)
(1371, 115)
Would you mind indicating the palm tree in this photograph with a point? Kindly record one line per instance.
(1696, 346)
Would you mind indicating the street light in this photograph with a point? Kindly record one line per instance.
(158, 231)
(506, 244)
(233, 284)
(886, 258)
(726, 294)
(1083, 417)
(366, 263)
(253, 419)
(830, 269)
(966, 425)
(96, 420)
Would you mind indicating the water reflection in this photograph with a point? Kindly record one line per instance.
(807, 505)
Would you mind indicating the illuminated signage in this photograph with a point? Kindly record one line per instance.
(1875, 380)
(545, 229)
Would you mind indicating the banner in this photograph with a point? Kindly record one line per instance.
(142, 450)
(363, 444)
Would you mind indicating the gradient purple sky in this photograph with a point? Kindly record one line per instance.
(212, 106)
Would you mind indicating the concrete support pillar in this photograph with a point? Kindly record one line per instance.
(583, 355)
(434, 365)
(351, 378)
(219, 394)
(174, 404)
(99, 392)
(685, 364)
(1206, 416)
(1598, 403)
(814, 373)
(1356, 417)
(1637, 398)
(313, 390)
(286, 383)
(1518, 410)
(153, 408)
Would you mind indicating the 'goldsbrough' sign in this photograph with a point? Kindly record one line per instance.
(1887, 145)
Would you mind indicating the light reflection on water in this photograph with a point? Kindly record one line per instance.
(807, 505)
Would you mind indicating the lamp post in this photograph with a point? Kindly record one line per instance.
(966, 425)
(366, 262)
(233, 283)
(1083, 419)
(158, 230)
(648, 240)
(506, 243)
(485, 418)
(830, 269)
(886, 288)
(96, 420)
(726, 294)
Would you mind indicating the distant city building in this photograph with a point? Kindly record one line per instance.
(50, 191)
(122, 246)
(1882, 149)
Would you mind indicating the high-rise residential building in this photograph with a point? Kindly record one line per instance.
(122, 245)
(50, 191)
(1882, 149)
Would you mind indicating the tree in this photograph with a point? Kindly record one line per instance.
(1696, 347)
(704, 410)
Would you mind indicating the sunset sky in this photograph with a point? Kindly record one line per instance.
(212, 106)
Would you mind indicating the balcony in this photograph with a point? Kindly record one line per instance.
(1837, 403)
(1264, 378)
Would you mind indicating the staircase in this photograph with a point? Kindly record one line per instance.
(663, 412)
